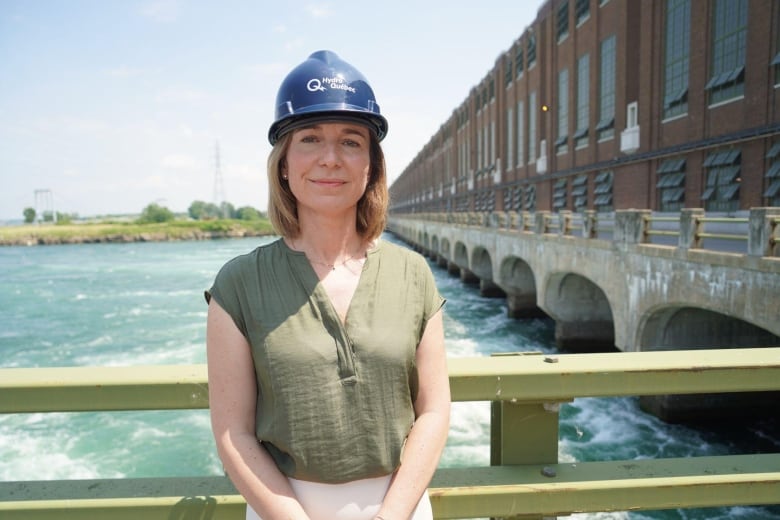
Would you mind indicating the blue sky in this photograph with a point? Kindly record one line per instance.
(113, 105)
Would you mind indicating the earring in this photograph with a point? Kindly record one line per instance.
(284, 176)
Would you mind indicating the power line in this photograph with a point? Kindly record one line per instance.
(219, 185)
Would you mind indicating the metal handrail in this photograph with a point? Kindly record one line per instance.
(527, 389)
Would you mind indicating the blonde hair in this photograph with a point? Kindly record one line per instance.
(371, 208)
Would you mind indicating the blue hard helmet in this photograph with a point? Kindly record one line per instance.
(325, 88)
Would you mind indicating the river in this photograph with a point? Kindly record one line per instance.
(142, 304)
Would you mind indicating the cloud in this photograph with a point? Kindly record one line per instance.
(319, 11)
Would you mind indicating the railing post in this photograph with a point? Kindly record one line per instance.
(631, 226)
(691, 227)
(511, 219)
(589, 224)
(564, 222)
(762, 234)
(524, 433)
(541, 225)
(496, 219)
(526, 220)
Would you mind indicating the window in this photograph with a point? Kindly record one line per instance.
(729, 36)
(677, 55)
(485, 147)
(485, 201)
(606, 125)
(532, 127)
(520, 136)
(671, 184)
(507, 70)
(479, 149)
(519, 60)
(582, 10)
(579, 190)
(513, 199)
(723, 177)
(580, 136)
(530, 49)
(776, 65)
(776, 59)
(632, 114)
(480, 201)
(772, 192)
(530, 197)
(510, 139)
(603, 191)
(563, 111)
(559, 194)
(463, 117)
(492, 143)
(563, 21)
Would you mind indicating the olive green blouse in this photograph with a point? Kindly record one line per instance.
(335, 401)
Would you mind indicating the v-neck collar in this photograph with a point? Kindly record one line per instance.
(304, 271)
(331, 320)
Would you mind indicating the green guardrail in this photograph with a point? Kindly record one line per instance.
(525, 477)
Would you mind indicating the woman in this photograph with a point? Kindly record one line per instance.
(328, 383)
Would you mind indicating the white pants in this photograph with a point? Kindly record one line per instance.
(356, 500)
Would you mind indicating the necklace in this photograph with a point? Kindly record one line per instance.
(330, 266)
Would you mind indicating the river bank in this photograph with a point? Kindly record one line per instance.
(120, 232)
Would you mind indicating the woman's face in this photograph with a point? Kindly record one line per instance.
(328, 166)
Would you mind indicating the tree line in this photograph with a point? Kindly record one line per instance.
(156, 213)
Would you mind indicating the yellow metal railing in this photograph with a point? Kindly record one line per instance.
(525, 478)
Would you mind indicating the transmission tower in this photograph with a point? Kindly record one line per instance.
(219, 186)
(44, 203)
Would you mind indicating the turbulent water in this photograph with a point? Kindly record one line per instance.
(142, 304)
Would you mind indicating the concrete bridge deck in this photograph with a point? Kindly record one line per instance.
(622, 291)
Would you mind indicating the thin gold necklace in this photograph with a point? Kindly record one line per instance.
(332, 267)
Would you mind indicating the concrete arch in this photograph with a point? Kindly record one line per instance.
(444, 249)
(461, 261)
(688, 328)
(481, 264)
(684, 327)
(582, 313)
(443, 252)
(461, 256)
(517, 278)
(482, 267)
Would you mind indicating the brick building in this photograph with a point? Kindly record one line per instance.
(615, 104)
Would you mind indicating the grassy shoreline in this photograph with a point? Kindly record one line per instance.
(123, 232)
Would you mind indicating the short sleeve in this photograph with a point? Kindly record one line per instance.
(433, 300)
(228, 289)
